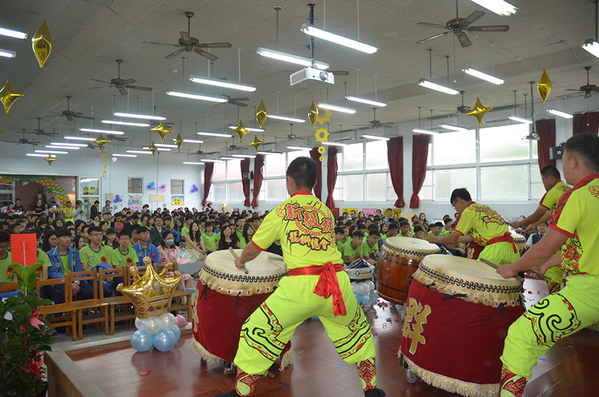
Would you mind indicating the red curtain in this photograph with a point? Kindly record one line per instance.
(318, 186)
(586, 122)
(546, 130)
(258, 163)
(395, 159)
(245, 183)
(208, 169)
(331, 175)
(419, 157)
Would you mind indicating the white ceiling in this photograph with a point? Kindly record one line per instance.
(88, 35)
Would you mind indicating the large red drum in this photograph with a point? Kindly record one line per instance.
(456, 319)
(399, 259)
(226, 297)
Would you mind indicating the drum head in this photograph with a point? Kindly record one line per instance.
(518, 238)
(410, 248)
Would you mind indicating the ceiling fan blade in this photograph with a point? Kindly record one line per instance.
(69, 117)
(95, 88)
(464, 40)
(185, 36)
(432, 37)
(214, 45)
(432, 25)
(137, 87)
(101, 81)
(339, 72)
(238, 99)
(129, 81)
(240, 104)
(174, 54)
(81, 117)
(472, 17)
(153, 42)
(205, 54)
(573, 89)
(489, 28)
(122, 90)
(588, 94)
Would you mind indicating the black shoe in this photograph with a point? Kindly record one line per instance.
(232, 393)
(374, 393)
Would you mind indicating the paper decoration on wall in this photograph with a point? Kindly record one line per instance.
(134, 202)
(162, 131)
(256, 143)
(240, 130)
(261, 114)
(153, 149)
(179, 142)
(324, 119)
(544, 86)
(41, 42)
(8, 95)
(349, 210)
(178, 200)
(50, 160)
(313, 114)
(322, 135)
(49, 183)
(100, 141)
(478, 111)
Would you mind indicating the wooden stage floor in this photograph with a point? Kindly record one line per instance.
(569, 369)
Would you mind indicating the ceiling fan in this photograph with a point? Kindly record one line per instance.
(121, 84)
(374, 123)
(38, 130)
(234, 101)
(587, 89)
(71, 115)
(459, 27)
(25, 141)
(462, 108)
(192, 44)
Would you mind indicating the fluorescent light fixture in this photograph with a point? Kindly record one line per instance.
(80, 138)
(335, 38)
(228, 158)
(218, 134)
(437, 87)
(285, 118)
(560, 113)
(520, 119)
(245, 156)
(591, 46)
(197, 97)
(99, 131)
(50, 151)
(483, 76)
(129, 123)
(89, 179)
(452, 127)
(193, 163)
(124, 155)
(221, 83)
(7, 53)
(375, 137)
(499, 7)
(267, 153)
(139, 116)
(212, 161)
(334, 108)
(334, 144)
(68, 144)
(38, 155)
(166, 145)
(421, 131)
(12, 33)
(298, 148)
(158, 149)
(189, 141)
(366, 101)
(251, 129)
(139, 151)
(62, 147)
(282, 56)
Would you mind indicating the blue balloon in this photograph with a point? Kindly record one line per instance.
(116, 200)
(142, 341)
(177, 331)
(164, 340)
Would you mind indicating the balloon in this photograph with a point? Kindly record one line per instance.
(41, 42)
(120, 199)
(8, 95)
(240, 130)
(478, 111)
(544, 86)
(322, 135)
(179, 141)
(152, 325)
(139, 322)
(261, 115)
(117, 196)
(167, 320)
(164, 340)
(180, 321)
(153, 149)
(256, 143)
(100, 141)
(162, 131)
(115, 200)
(142, 341)
(361, 288)
(313, 113)
(177, 331)
(50, 160)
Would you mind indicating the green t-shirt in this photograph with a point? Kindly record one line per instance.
(210, 241)
(65, 264)
(184, 231)
(43, 257)
(368, 251)
(119, 259)
(340, 246)
(348, 238)
(4, 265)
(348, 250)
(242, 242)
(93, 258)
(444, 232)
(384, 237)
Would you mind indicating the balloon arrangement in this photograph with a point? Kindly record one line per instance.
(159, 332)
(194, 188)
(51, 184)
(163, 187)
(362, 291)
(152, 186)
(118, 199)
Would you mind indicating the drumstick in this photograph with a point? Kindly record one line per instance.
(235, 256)
(494, 266)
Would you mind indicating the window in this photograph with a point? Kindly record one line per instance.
(235, 192)
(274, 165)
(218, 173)
(177, 186)
(352, 158)
(233, 169)
(219, 191)
(134, 185)
(445, 181)
(504, 143)
(376, 155)
(292, 155)
(275, 190)
(353, 187)
(454, 148)
(376, 187)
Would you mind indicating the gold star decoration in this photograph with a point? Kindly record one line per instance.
(41, 42)
(50, 160)
(256, 143)
(261, 114)
(100, 141)
(152, 293)
(313, 113)
(8, 95)
(240, 130)
(153, 149)
(544, 86)
(322, 135)
(323, 119)
(179, 141)
(478, 111)
(162, 130)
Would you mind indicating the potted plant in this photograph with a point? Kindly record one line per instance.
(23, 338)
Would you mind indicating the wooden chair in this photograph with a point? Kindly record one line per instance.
(126, 311)
(66, 308)
(178, 303)
(96, 311)
(9, 287)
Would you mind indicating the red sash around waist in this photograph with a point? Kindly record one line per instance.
(506, 237)
(327, 283)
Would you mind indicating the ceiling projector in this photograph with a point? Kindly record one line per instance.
(309, 74)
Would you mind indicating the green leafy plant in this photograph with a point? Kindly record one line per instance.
(22, 339)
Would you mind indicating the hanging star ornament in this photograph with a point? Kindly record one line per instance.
(8, 95)
(179, 141)
(41, 42)
(256, 143)
(50, 160)
(261, 114)
(544, 86)
(153, 149)
(100, 141)
(240, 130)
(478, 111)
(313, 113)
(162, 131)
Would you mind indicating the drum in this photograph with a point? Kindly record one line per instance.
(226, 297)
(456, 319)
(398, 260)
(520, 241)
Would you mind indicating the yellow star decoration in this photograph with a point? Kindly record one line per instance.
(313, 113)
(478, 111)
(256, 143)
(151, 294)
(322, 135)
(240, 130)
(179, 141)
(162, 131)
(261, 114)
(41, 42)
(50, 160)
(100, 141)
(321, 150)
(544, 86)
(8, 95)
(153, 149)
(323, 119)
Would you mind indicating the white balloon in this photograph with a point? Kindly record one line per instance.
(370, 284)
(139, 323)
(354, 287)
(152, 325)
(362, 288)
(167, 321)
